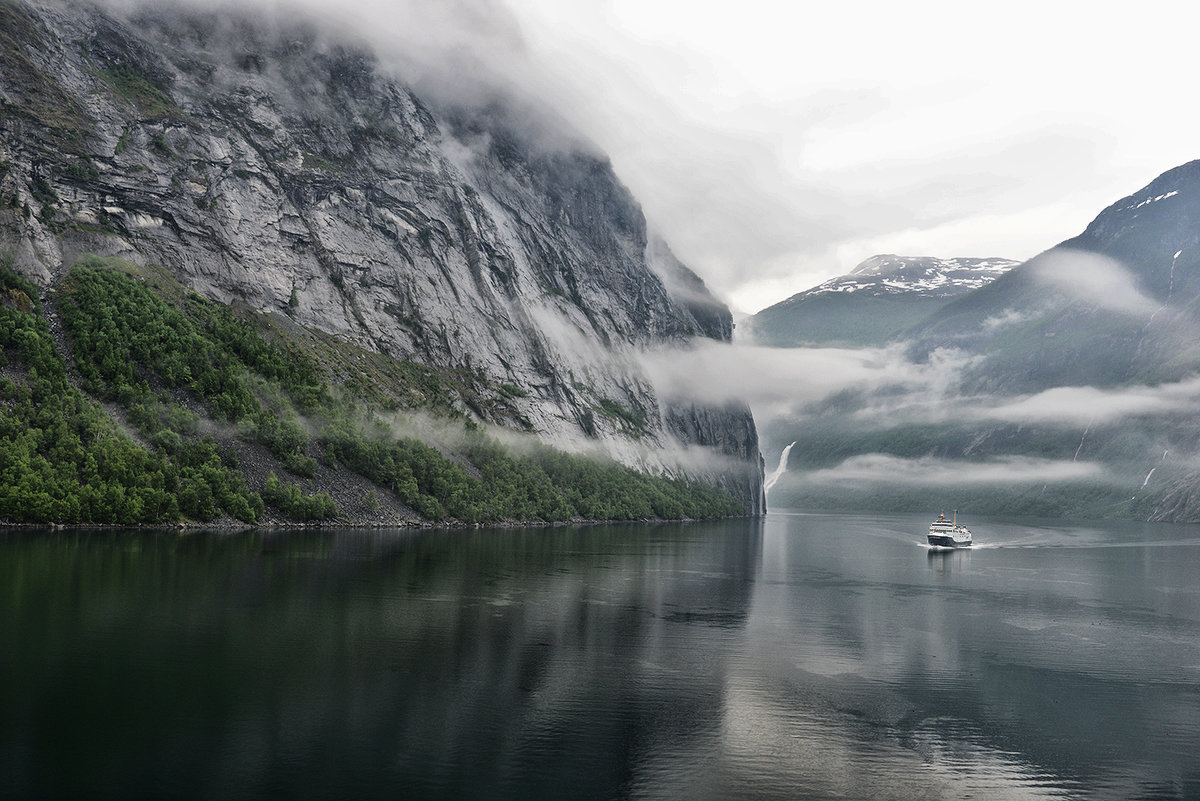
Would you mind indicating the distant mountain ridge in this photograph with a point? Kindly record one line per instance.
(879, 298)
(925, 275)
(1072, 381)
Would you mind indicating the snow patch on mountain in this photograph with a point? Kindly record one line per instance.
(924, 275)
(1150, 200)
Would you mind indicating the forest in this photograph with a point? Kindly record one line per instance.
(118, 427)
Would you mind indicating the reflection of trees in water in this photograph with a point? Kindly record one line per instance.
(462, 663)
(560, 655)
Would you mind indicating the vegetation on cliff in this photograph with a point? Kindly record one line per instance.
(63, 459)
(162, 389)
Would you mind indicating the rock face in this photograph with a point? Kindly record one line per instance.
(266, 165)
(1113, 306)
(877, 300)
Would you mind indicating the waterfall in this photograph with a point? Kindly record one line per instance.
(1147, 479)
(1081, 439)
(779, 471)
(1171, 288)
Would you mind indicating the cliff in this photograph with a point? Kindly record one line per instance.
(272, 168)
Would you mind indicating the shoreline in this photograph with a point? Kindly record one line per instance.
(190, 527)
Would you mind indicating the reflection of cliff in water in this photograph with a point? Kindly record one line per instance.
(553, 658)
(479, 663)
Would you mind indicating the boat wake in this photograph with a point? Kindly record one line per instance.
(1050, 542)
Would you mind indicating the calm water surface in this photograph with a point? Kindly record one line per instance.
(804, 657)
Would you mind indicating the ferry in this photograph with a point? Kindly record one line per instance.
(945, 533)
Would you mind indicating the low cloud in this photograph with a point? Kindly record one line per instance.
(1058, 406)
(1007, 318)
(1093, 279)
(1079, 405)
(781, 381)
(930, 471)
(881, 388)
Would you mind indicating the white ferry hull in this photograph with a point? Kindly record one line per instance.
(946, 541)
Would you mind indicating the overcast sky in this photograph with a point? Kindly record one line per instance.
(777, 144)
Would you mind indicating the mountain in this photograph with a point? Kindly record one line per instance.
(1069, 385)
(878, 299)
(1115, 304)
(270, 167)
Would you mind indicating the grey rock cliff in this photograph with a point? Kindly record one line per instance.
(264, 164)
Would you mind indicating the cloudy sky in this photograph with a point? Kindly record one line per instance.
(778, 144)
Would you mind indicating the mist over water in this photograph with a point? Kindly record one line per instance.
(807, 656)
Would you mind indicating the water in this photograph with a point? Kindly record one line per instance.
(807, 657)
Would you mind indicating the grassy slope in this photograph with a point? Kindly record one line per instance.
(197, 388)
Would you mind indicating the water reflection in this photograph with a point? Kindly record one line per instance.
(451, 664)
(813, 657)
(945, 563)
(1001, 672)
